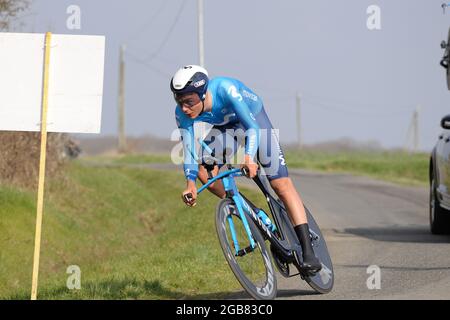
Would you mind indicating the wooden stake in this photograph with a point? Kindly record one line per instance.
(40, 200)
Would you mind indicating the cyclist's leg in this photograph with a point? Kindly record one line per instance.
(215, 188)
(215, 140)
(272, 159)
(286, 191)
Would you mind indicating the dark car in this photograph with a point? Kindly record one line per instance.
(445, 61)
(440, 182)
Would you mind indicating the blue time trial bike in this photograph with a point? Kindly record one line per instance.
(243, 230)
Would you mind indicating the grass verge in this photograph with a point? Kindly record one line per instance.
(398, 167)
(127, 231)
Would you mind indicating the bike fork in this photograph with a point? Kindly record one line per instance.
(240, 252)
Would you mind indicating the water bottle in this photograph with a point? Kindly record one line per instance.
(265, 219)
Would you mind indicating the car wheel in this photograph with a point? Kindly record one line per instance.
(439, 217)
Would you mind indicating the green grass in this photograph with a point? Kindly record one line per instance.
(130, 159)
(398, 167)
(394, 166)
(128, 231)
(143, 158)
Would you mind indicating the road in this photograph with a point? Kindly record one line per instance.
(368, 222)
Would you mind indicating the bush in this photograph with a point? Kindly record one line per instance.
(20, 154)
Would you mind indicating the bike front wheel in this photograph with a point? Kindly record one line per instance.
(253, 269)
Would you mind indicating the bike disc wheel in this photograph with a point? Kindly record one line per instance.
(254, 270)
(322, 281)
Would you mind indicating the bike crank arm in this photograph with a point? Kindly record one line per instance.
(243, 252)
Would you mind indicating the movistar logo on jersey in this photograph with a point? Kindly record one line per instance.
(250, 95)
(199, 83)
(234, 93)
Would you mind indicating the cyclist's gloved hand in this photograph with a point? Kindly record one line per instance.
(190, 194)
(250, 166)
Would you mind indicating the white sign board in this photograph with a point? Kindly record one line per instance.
(75, 82)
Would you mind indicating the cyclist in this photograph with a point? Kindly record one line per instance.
(227, 104)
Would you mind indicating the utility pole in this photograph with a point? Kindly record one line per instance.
(201, 38)
(201, 51)
(122, 135)
(413, 132)
(416, 129)
(299, 119)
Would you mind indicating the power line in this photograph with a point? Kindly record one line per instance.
(169, 33)
(356, 106)
(347, 103)
(144, 63)
(342, 108)
(161, 59)
(150, 22)
(334, 104)
(277, 98)
(359, 112)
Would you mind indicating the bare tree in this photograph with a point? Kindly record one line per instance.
(10, 11)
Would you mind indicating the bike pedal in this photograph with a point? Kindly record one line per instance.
(310, 272)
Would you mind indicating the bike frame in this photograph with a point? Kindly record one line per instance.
(232, 190)
(247, 209)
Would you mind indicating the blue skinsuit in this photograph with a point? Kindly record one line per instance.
(234, 106)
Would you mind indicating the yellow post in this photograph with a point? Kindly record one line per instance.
(40, 200)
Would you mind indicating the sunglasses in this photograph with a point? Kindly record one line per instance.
(189, 100)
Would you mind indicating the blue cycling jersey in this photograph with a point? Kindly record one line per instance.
(232, 102)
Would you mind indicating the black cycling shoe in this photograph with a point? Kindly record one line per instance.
(311, 263)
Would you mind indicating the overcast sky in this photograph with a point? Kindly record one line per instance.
(354, 82)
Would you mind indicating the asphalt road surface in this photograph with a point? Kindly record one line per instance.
(365, 223)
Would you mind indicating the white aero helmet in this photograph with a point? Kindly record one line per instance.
(189, 79)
